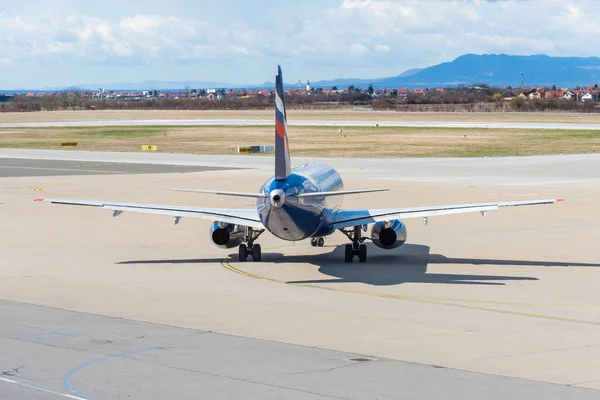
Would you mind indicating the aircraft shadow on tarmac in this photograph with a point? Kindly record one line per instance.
(407, 264)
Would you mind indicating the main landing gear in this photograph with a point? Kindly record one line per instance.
(356, 248)
(317, 242)
(250, 249)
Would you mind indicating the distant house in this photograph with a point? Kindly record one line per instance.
(579, 93)
(534, 94)
(507, 96)
(568, 95)
(554, 94)
(419, 92)
(586, 97)
(402, 93)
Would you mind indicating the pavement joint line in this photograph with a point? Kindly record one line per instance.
(443, 302)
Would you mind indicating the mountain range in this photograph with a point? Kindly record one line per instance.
(493, 70)
(470, 69)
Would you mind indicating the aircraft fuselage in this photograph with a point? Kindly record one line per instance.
(290, 218)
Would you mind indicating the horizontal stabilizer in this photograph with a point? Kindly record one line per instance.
(222, 193)
(339, 193)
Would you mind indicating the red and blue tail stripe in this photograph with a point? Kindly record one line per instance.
(282, 153)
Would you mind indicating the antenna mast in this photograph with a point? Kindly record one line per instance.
(522, 79)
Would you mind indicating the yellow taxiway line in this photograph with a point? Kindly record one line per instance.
(457, 303)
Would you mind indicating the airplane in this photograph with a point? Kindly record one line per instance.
(297, 204)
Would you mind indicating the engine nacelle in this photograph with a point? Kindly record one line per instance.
(389, 234)
(227, 236)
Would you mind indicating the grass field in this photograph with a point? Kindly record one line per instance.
(333, 115)
(315, 141)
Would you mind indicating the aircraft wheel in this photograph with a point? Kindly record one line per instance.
(243, 252)
(320, 242)
(256, 253)
(362, 253)
(313, 242)
(349, 253)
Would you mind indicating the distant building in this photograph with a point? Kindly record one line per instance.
(402, 93)
(568, 95)
(534, 94)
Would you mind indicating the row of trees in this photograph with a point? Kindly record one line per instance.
(482, 98)
(515, 105)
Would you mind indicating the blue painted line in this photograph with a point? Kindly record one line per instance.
(67, 384)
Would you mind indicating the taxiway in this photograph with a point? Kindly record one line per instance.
(500, 307)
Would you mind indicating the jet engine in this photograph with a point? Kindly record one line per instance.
(227, 236)
(388, 234)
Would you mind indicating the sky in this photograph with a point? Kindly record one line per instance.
(66, 42)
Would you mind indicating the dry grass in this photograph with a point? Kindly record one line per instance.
(316, 141)
(334, 115)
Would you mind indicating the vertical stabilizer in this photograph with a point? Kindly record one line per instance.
(282, 151)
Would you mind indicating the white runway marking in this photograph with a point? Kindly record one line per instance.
(60, 169)
(269, 122)
(41, 389)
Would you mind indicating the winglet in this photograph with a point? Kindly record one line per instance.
(282, 151)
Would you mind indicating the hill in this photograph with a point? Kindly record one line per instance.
(494, 70)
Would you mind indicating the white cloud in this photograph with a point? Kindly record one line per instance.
(234, 41)
(382, 48)
(5, 60)
(358, 49)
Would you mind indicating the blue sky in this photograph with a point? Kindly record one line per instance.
(66, 42)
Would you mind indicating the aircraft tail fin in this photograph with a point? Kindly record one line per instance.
(282, 152)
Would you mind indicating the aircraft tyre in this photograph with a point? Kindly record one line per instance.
(349, 253)
(256, 253)
(320, 242)
(313, 242)
(362, 253)
(243, 252)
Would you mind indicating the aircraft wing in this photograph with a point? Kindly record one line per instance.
(234, 216)
(347, 218)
